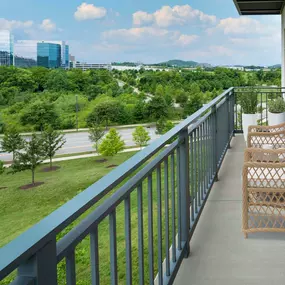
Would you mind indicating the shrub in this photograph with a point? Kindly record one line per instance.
(248, 102)
(277, 106)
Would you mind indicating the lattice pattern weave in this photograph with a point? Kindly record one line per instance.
(264, 190)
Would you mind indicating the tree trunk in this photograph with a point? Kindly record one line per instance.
(50, 163)
(33, 176)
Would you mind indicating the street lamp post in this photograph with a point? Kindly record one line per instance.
(76, 97)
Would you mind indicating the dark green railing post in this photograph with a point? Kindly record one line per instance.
(228, 104)
(215, 142)
(184, 188)
(42, 267)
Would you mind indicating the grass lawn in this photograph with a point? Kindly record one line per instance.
(20, 209)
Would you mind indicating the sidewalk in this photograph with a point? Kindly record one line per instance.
(82, 156)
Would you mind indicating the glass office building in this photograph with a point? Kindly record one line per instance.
(66, 64)
(6, 48)
(49, 55)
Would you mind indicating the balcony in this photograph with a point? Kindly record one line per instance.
(219, 252)
(171, 214)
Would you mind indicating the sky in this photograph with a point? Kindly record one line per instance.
(148, 31)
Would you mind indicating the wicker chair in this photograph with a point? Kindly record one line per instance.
(260, 136)
(263, 191)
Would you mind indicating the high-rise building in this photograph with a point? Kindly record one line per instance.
(49, 55)
(6, 48)
(26, 52)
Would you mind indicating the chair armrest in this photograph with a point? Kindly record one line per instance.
(275, 128)
(265, 157)
(259, 139)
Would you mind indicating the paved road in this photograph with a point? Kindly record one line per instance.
(79, 142)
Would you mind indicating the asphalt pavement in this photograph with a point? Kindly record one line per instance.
(80, 143)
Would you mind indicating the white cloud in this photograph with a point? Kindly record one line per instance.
(186, 40)
(89, 12)
(243, 26)
(135, 34)
(140, 18)
(12, 25)
(177, 15)
(47, 25)
(152, 36)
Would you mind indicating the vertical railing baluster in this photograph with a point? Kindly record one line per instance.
(266, 108)
(198, 161)
(195, 188)
(159, 225)
(178, 199)
(70, 269)
(261, 98)
(214, 134)
(150, 231)
(94, 256)
(205, 157)
(173, 207)
(184, 188)
(113, 248)
(166, 210)
(128, 241)
(140, 234)
(209, 151)
(192, 162)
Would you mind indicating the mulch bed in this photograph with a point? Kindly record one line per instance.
(101, 160)
(30, 186)
(111, 166)
(48, 169)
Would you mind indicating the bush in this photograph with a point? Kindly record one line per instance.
(112, 144)
(277, 106)
(248, 102)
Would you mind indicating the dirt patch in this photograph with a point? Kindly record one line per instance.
(111, 166)
(48, 169)
(101, 160)
(30, 186)
(1, 188)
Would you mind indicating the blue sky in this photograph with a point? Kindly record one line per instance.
(148, 31)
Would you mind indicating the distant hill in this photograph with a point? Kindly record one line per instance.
(275, 66)
(181, 63)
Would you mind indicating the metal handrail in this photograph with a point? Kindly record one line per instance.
(34, 238)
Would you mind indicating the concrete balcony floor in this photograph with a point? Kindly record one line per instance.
(219, 253)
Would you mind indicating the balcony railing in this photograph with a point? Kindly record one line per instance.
(163, 187)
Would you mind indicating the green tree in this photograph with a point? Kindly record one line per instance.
(194, 103)
(12, 141)
(32, 155)
(52, 141)
(96, 133)
(141, 136)
(157, 108)
(40, 75)
(107, 112)
(111, 144)
(139, 111)
(163, 126)
(39, 114)
(57, 80)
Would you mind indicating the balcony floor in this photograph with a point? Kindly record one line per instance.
(219, 253)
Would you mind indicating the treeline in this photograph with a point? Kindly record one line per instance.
(32, 98)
